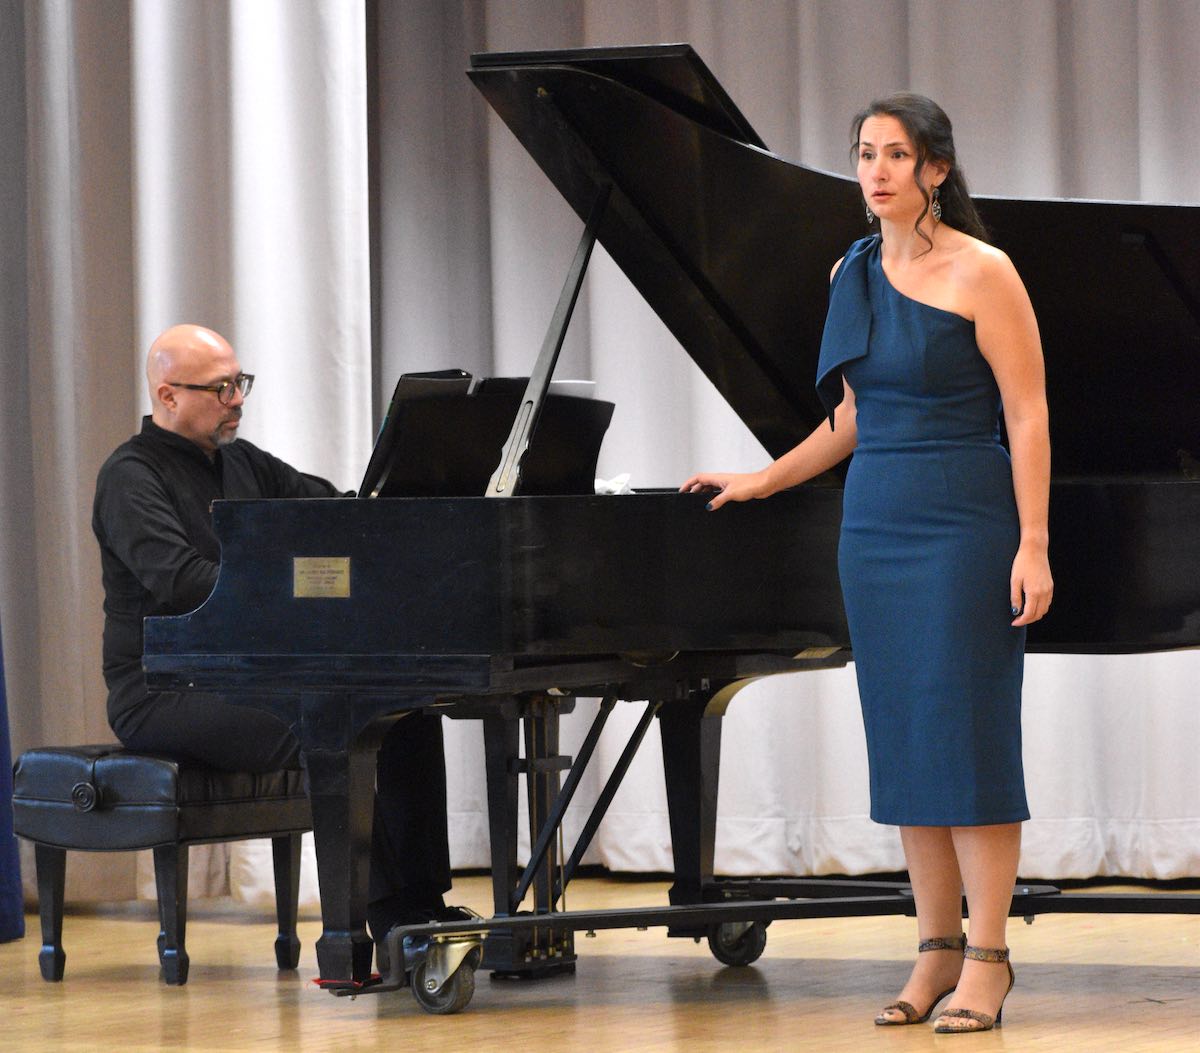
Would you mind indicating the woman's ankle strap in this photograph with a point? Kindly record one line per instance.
(987, 954)
(944, 943)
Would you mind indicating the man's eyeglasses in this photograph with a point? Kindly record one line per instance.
(243, 382)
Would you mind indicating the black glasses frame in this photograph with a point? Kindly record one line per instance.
(243, 382)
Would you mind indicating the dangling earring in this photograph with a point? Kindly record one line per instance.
(936, 207)
(870, 216)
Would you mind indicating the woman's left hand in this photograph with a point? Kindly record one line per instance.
(1031, 586)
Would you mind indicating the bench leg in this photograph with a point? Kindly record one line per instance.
(171, 880)
(51, 879)
(286, 853)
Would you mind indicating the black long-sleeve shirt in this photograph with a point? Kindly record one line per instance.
(158, 552)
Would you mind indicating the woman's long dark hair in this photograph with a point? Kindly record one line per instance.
(929, 129)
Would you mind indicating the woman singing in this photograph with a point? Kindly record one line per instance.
(943, 552)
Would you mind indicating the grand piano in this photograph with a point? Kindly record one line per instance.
(503, 606)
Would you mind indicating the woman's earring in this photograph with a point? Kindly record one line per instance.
(870, 216)
(936, 208)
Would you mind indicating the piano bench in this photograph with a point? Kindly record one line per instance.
(109, 799)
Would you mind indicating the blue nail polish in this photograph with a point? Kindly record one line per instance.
(708, 507)
(1015, 610)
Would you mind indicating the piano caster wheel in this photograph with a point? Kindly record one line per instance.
(737, 943)
(454, 995)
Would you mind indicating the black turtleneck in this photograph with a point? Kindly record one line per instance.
(158, 552)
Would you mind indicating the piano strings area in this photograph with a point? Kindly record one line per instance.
(1109, 982)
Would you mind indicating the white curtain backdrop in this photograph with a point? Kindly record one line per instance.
(207, 161)
(195, 161)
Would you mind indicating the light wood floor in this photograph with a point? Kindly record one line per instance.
(1084, 982)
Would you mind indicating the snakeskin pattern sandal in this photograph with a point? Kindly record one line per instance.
(978, 1021)
(911, 1016)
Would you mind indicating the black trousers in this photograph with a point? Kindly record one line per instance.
(410, 854)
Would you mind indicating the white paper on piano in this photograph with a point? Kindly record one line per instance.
(618, 484)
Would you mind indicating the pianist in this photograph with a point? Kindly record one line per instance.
(159, 556)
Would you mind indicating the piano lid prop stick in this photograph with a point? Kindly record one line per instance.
(506, 479)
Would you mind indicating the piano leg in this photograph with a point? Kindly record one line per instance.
(501, 735)
(691, 744)
(542, 786)
(540, 951)
(341, 788)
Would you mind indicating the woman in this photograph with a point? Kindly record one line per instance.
(943, 554)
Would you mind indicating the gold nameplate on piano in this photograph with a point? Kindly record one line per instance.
(321, 577)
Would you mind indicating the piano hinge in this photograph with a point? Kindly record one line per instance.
(815, 652)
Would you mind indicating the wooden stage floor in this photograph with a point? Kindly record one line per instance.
(1126, 983)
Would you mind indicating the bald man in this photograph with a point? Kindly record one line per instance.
(159, 556)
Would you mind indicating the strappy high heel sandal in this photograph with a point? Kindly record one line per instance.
(911, 1016)
(979, 1021)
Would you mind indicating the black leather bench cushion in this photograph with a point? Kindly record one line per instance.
(104, 798)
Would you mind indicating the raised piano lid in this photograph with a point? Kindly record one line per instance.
(698, 217)
(732, 247)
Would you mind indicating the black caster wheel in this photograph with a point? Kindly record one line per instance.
(734, 944)
(454, 995)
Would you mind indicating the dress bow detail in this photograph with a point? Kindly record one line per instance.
(846, 337)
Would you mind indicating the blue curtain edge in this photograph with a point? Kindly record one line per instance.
(12, 906)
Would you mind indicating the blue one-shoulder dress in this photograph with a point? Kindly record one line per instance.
(929, 532)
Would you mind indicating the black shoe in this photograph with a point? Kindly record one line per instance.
(434, 913)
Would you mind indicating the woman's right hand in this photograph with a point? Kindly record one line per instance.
(730, 486)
